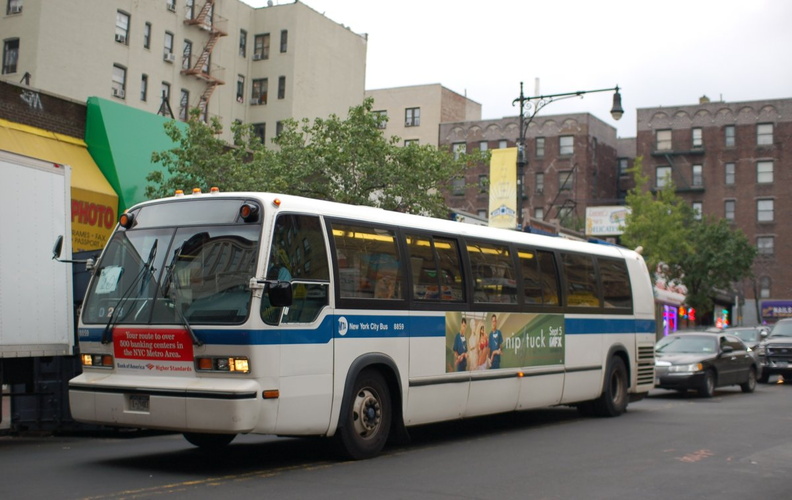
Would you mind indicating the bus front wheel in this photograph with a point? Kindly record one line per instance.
(209, 442)
(365, 424)
(614, 398)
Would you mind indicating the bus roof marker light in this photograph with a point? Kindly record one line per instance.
(214, 190)
(178, 193)
(249, 212)
(196, 191)
(276, 202)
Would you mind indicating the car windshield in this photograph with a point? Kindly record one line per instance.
(782, 329)
(748, 335)
(686, 344)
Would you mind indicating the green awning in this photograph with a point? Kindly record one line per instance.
(121, 139)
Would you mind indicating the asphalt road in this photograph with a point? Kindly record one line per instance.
(667, 446)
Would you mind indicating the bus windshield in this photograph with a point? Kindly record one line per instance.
(159, 275)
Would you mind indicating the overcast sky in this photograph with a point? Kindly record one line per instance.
(660, 53)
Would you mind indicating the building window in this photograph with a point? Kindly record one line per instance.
(729, 207)
(240, 93)
(281, 87)
(284, 41)
(565, 179)
(143, 87)
(539, 183)
(168, 46)
(539, 213)
(624, 164)
(14, 7)
(458, 186)
(259, 95)
(730, 173)
(697, 177)
(410, 142)
(764, 210)
(503, 144)
(663, 140)
(697, 209)
(122, 27)
(10, 55)
(764, 245)
(564, 213)
(278, 128)
(147, 36)
(764, 172)
(540, 147)
(764, 134)
(566, 145)
(764, 287)
(189, 9)
(698, 140)
(459, 148)
(728, 136)
(242, 43)
(662, 176)
(119, 81)
(483, 145)
(184, 104)
(187, 55)
(382, 118)
(412, 117)
(165, 91)
(483, 183)
(260, 131)
(261, 45)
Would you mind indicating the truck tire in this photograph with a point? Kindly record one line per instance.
(365, 423)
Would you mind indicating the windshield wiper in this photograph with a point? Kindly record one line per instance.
(165, 288)
(142, 277)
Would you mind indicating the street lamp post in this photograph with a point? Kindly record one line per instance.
(529, 107)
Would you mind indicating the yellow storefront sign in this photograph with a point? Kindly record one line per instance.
(94, 205)
(503, 188)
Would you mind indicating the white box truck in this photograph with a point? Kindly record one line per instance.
(36, 295)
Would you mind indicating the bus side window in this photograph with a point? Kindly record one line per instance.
(436, 269)
(548, 275)
(493, 273)
(581, 280)
(368, 262)
(616, 291)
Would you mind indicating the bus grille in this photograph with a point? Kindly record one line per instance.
(646, 365)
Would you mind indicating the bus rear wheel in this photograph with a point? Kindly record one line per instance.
(365, 424)
(614, 398)
(208, 441)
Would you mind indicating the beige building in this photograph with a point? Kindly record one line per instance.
(233, 61)
(416, 112)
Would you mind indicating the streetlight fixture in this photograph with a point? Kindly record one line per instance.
(529, 107)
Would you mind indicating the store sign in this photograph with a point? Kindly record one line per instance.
(776, 309)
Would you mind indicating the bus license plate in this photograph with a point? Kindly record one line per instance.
(139, 402)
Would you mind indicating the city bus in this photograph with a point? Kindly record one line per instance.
(215, 314)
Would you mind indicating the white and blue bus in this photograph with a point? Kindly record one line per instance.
(219, 314)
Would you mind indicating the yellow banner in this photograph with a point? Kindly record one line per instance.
(503, 188)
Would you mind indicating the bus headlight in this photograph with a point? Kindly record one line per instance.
(230, 364)
(97, 360)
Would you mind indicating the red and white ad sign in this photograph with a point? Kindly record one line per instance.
(153, 349)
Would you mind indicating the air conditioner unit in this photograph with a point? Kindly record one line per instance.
(257, 57)
(118, 93)
(171, 6)
(15, 9)
(169, 57)
(120, 38)
(255, 101)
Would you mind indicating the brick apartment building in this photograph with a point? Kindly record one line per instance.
(732, 160)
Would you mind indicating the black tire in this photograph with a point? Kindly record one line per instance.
(365, 423)
(707, 388)
(764, 378)
(750, 384)
(210, 442)
(614, 398)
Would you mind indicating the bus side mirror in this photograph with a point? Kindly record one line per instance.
(280, 294)
(56, 250)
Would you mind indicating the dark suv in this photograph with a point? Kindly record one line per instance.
(775, 351)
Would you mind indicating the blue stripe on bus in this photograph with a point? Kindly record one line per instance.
(419, 326)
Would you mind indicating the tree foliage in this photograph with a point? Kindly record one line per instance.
(704, 254)
(348, 161)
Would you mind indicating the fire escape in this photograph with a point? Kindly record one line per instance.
(207, 21)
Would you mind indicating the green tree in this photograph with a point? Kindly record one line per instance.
(348, 160)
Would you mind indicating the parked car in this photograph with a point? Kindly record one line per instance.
(702, 361)
(775, 351)
(752, 336)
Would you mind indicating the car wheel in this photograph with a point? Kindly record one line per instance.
(750, 384)
(707, 389)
